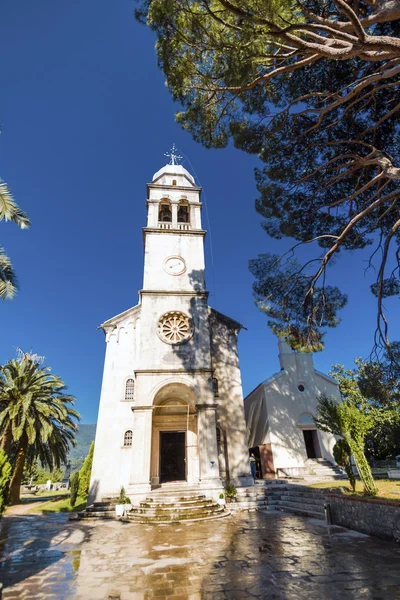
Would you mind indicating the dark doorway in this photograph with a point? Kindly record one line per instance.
(256, 452)
(172, 456)
(312, 443)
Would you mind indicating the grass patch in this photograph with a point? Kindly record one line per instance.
(45, 494)
(57, 505)
(388, 489)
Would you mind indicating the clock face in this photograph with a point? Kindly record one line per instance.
(174, 265)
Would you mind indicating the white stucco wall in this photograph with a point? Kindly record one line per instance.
(278, 422)
(230, 414)
(110, 471)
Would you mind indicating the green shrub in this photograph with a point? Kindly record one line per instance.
(123, 498)
(74, 487)
(342, 455)
(84, 474)
(230, 490)
(5, 476)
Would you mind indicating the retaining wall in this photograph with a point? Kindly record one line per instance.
(374, 517)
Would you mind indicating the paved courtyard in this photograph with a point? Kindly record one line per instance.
(258, 555)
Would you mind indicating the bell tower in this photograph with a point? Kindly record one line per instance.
(173, 237)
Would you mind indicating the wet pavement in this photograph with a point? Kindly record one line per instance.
(274, 556)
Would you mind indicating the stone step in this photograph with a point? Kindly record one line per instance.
(177, 490)
(110, 514)
(173, 499)
(171, 509)
(301, 493)
(112, 501)
(176, 516)
(167, 500)
(150, 521)
(325, 470)
(103, 508)
(301, 500)
(302, 512)
(318, 508)
(253, 505)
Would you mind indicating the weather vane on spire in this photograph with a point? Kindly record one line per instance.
(173, 156)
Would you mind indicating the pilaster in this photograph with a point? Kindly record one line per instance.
(141, 449)
(207, 439)
(174, 209)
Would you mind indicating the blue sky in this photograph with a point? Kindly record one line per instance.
(86, 119)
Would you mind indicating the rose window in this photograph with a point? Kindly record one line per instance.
(175, 328)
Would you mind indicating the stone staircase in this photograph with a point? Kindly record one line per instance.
(279, 495)
(169, 505)
(298, 499)
(99, 510)
(165, 505)
(168, 509)
(323, 469)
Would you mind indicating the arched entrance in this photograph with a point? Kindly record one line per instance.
(174, 452)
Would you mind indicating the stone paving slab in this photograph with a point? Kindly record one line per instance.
(272, 556)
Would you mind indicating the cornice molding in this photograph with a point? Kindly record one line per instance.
(174, 201)
(158, 186)
(201, 232)
(193, 293)
(171, 371)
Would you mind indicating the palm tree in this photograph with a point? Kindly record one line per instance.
(9, 211)
(36, 415)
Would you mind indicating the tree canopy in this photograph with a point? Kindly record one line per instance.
(36, 416)
(9, 211)
(312, 88)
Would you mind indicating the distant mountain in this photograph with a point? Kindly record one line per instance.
(84, 437)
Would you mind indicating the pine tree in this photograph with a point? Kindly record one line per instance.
(84, 474)
(74, 487)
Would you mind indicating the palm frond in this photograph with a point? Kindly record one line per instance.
(8, 278)
(9, 209)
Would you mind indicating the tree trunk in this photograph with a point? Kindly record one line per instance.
(6, 440)
(15, 485)
(364, 470)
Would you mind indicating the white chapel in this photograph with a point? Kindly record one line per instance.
(171, 406)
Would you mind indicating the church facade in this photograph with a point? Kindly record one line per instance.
(279, 414)
(171, 406)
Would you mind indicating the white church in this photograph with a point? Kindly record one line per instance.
(171, 406)
(279, 413)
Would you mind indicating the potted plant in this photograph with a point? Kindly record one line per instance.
(230, 492)
(123, 504)
(221, 499)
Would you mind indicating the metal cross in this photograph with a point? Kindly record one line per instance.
(172, 154)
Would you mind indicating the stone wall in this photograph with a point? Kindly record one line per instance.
(374, 517)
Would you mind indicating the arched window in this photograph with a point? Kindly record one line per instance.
(128, 438)
(130, 389)
(215, 387)
(183, 212)
(164, 212)
(174, 182)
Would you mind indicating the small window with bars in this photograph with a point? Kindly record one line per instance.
(128, 438)
(130, 389)
(215, 387)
